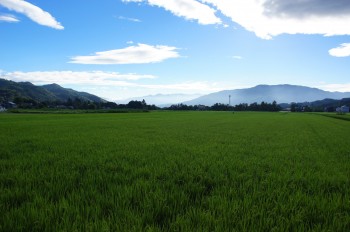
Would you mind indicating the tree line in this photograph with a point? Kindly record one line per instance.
(78, 103)
(263, 106)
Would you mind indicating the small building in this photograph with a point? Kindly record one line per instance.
(342, 109)
(2, 109)
(9, 105)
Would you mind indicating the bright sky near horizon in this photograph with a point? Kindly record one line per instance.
(119, 49)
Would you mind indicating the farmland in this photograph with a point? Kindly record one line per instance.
(174, 171)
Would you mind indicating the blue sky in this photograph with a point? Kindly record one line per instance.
(120, 49)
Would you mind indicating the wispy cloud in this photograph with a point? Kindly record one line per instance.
(132, 0)
(342, 51)
(345, 87)
(237, 57)
(130, 19)
(140, 54)
(33, 12)
(9, 18)
(70, 77)
(189, 9)
(190, 86)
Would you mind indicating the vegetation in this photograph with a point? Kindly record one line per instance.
(263, 106)
(341, 116)
(174, 171)
(74, 105)
(326, 105)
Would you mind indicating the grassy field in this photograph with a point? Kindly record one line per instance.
(174, 171)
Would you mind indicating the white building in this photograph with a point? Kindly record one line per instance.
(342, 109)
(2, 109)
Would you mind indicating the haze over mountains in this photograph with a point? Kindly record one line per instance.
(267, 93)
(162, 100)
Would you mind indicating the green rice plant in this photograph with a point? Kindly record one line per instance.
(174, 171)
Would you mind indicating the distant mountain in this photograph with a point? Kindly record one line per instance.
(331, 102)
(267, 93)
(162, 100)
(53, 92)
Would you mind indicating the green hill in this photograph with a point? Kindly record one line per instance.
(9, 90)
(63, 93)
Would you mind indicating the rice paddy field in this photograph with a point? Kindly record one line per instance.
(174, 171)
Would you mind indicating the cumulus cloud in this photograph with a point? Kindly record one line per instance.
(8, 18)
(140, 54)
(189, 9)
(33, 12)
(342, 51)
(70, 77)
(306, 8)
(268, 18)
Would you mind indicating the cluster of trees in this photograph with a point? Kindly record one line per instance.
(135, 105)
(263, 106)
(187, 107)
(300, 107)
(295, 107)
(77, 103)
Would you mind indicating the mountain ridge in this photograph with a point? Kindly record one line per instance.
(283, 93)
(9, 90)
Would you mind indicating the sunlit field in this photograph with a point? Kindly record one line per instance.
(174, 171)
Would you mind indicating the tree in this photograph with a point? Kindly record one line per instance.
(135, 105)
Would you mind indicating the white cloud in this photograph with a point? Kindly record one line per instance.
(191, 86)
(70, 77)
(189, 9)
(268, 18)
(140, 54)
(335, 87)
(33, 12)
(112, 85)
(342, 51)
(9, 18)
(131, 89)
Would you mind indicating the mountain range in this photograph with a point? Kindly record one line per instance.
(9, 90)
(267, 93)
